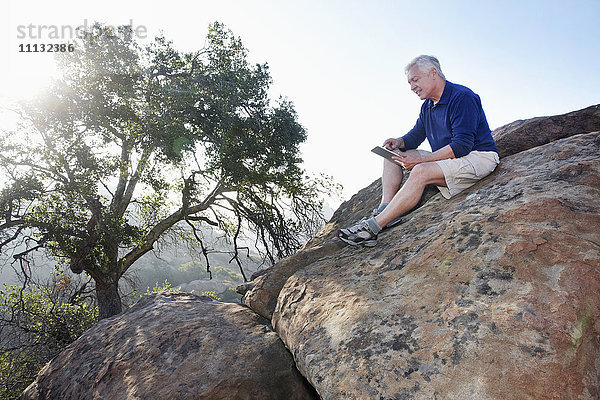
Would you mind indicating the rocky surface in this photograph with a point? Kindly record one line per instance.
(174, 346)
(491, 295)
(524, 135)
(494, 294)
(261, 294)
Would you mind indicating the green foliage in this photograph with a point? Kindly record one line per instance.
(226, 274)
(166, 287)
(162, 287)
(212, 294)
(134, 142)
(36, 323)
(191, 267)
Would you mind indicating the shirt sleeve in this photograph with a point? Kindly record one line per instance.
(416, 135)
(464, 117)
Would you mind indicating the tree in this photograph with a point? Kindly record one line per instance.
(135, 143)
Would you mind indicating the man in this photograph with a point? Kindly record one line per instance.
(464, 151)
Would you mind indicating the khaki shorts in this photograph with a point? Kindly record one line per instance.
(463, 172)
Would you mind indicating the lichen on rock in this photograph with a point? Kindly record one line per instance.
(494, 294)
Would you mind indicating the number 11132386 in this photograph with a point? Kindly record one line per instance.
(46, 47)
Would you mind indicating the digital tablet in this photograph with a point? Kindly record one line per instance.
(383, 152)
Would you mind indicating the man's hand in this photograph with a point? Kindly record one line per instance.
(393, 143)
(408, 161)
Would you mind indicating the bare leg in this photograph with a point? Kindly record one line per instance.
(409, 195)
(391, 179)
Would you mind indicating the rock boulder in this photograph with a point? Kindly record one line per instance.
(494, 294)
(261, 294)
(174, 346)
(524, 135)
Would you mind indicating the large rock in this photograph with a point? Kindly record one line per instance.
(174, 346)
(261, 294)
(494, 294)
(526, 134)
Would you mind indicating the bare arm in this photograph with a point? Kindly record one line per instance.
(410, 160)
(444, 153)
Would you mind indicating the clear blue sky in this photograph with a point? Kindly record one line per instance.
(342, 62)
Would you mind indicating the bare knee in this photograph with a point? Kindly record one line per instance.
(426, 174)
(419, 173)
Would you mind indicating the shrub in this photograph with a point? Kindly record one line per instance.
(36, 323)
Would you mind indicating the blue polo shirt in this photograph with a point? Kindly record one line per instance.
(457, 120)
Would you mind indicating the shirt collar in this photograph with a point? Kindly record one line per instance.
(445, 95)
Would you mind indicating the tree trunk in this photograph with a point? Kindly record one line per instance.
(109, 301)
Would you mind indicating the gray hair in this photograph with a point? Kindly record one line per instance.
(426, 64)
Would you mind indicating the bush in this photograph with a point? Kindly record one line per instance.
(162, 287)
(36, 323)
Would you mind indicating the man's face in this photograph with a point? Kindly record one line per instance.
(421, 83)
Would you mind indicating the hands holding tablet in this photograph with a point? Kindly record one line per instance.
(407, 160)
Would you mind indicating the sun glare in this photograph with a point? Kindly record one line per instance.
(27, 75)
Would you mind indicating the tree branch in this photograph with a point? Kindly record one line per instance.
(123, 175)
(11, 224)
(80, 259)
(124, 203)
(154, 234)
(38, 168)
(13, 237)
(204, 251)
(235, 248)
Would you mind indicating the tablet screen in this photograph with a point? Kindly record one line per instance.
(383, 152)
